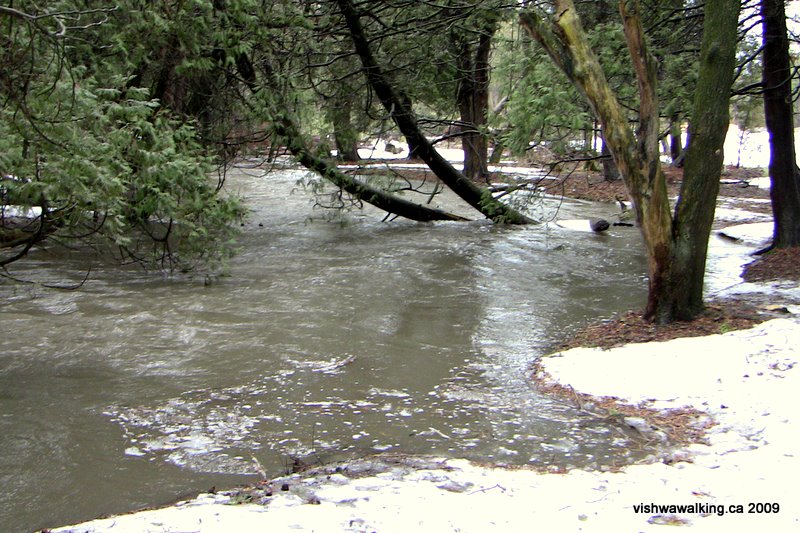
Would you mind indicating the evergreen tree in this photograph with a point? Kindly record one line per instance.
(88, 156)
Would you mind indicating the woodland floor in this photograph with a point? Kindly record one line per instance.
(592, 186)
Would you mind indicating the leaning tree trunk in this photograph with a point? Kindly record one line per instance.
(637, 157)
(398, 107)
(285, 127)
(413, 151)
(783, 171)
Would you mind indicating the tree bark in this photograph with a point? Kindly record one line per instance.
(637, 156)
(694, 212)
(783, 171)
(413, 149)
(473, 101)
(637, 160)
(286, 128)
(344, 134)
(398, 107)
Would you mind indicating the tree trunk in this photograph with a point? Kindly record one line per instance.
(479, 198)
(344, 134)
(637, 157)
(497, 153)
(694, 213)
(473, 101)
(637, 160)
(413, 151)
(610, 170)
(783, 171)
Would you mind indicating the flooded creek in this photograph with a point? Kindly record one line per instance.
(325, 340)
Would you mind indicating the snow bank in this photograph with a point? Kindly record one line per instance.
(747, 380)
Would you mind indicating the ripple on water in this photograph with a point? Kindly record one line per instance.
(222, 430)
(442, 320)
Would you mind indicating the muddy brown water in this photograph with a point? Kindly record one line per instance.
(325, 340)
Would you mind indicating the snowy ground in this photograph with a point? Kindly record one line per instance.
(742, 480)
(749, 149)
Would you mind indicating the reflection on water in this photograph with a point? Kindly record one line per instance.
(325, 341)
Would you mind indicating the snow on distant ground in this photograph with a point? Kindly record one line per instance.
(748, 149)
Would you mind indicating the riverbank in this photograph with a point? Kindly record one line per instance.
(736, 390)
(745, 382)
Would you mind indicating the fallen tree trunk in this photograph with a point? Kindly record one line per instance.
(285, 128)
(400, 110)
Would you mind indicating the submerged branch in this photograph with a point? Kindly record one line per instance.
(286, 128)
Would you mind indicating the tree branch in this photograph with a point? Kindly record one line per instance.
(399, 108)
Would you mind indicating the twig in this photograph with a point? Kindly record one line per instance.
(487, 489)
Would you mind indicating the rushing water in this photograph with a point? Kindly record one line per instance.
(326, 340)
